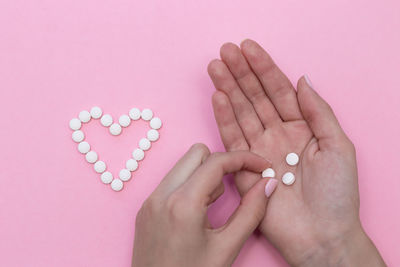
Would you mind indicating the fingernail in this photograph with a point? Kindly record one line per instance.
(270, 186)
(308, 81)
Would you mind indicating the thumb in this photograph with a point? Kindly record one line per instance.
(319, 115)
(248, 215)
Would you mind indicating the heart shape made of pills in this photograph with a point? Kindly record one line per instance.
(115, 129)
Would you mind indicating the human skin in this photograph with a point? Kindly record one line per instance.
(315, 221)
(172, 227)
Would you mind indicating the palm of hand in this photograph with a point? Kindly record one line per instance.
(324, 198)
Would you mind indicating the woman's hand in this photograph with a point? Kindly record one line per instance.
(315, 221)
(172, 228)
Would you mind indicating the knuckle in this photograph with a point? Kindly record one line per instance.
(179, 207)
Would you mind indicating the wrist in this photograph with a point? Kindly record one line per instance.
(353, 248)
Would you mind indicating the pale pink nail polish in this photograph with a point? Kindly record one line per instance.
(270, 186)
(308, 81)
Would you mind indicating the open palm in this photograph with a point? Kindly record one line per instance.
(257, 108)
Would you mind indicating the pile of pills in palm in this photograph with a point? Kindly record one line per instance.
(288, 178)
(115, 128)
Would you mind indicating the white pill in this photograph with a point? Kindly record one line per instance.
(138, 154)
(144, 144)
(78, 136)
(117, 185)
(84, 116)
(288, 178)
(155, 123)
(124, 120)
(268, 173)
(115, 129)
(134, 113)
(100, 166)
(147, 114)
(106, 177)
(75, 124)
(125, 175)
(292, 159)
(131, 165)
(153, 135)
(106, 120)
(84, 147)
(96, 112)
(91, 157)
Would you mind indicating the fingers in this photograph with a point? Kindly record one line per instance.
(183, 169)
(249, 214)
(319, 116)
(209, 175)
(244, 112)
(249, 83)
(277, 86)
(229, 129)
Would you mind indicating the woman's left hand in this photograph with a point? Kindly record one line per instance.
(172, 227)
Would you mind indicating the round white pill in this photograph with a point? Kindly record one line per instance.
(100, 166)
(84, 147)
(96, 112)
(78, 136)
(138, 154)
(134, 114)
(115, 129)
(75, 124)
(124, 120)
(106, 177)
(106, 120)
(155, 123)
(288, 178)
(117, 185)
(84, 116)
(153, 135)
(144, 144)
(131, 165)
(292, 159)
(125, 175)
(268, 173)
(91, 157)
(147, 114)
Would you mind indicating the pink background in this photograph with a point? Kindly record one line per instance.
(60, 57)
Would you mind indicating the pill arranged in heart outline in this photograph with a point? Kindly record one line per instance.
(115, 129)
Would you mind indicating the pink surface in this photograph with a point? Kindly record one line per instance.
(60, 57)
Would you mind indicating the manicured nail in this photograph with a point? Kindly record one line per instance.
(270, 186)
(308, 81)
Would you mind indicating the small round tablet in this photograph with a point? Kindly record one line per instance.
(155, 123)
(138, 154)
(84, 147)
(91, 157)
(78, 136)
(96, 112)
(106, 120)
(134, 113)
(144, 144)
(125, 175)
(100, 166)
(117, 185)
(292, 159)
(84, 116)
(124, 120)
(115, 129)
(288, 178)
(147, 114)
(153, 135)
(75, 124)
(106, 177)
(268, 173)
(131, 165)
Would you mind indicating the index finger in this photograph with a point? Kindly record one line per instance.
(209, 175)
